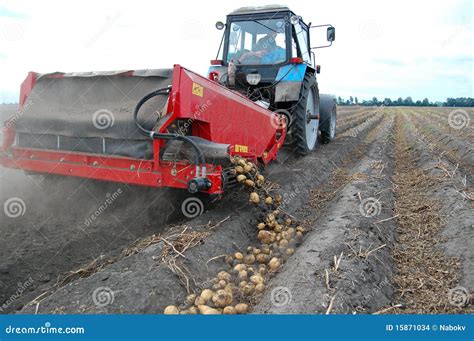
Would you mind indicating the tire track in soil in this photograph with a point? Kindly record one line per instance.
(145, 285)
(425, 273)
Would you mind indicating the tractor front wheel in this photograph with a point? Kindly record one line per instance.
(305, 117)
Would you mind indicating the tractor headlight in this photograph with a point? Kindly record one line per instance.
(253, 78)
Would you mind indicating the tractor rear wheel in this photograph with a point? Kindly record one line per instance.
(305, 125)
(328, 118)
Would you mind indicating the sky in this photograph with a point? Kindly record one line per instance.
(383, 48)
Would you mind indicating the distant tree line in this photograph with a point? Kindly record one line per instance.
(450, 102)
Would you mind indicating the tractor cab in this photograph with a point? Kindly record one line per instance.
(263, 45)
(266, 55)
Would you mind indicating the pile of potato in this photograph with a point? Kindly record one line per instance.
(248, 271)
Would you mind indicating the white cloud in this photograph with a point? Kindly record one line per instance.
(398, 48)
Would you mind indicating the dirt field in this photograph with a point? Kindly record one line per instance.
(386, 210)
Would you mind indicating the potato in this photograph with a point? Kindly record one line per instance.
(249, 183)
(291, 231)
(288, 222)
(190, 298)
(242, 284)
(283, 243)
(260, 178)
(270, 218)
(171, 310)
(241, 308)
(239, 169)
(262, 270)
(241, 178)
(193, 310)
(261, 226)
(300, 229)
(240, 267)
(299, 234)
(207, 294)
(249, 259)
(224, 276)
(206, 310)
(262, 258)
(199, 301)
(249, 289)
(242, 162)
(274, 264)
(242, 275)
(266, 237)
(254, 198)
(238, 256)
(290, 251)
(278, 198)
(229, 310)
(277, 228)
(257, 279)
(222, 298)
(256, 251)
(248, 167)
(276, 213)
(268, 200)
(230, 287)
(259, 288)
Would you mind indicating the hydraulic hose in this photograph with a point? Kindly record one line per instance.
(200, 159)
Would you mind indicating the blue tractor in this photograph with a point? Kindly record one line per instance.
(266, 54)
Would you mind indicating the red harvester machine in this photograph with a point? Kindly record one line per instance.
(183, 136)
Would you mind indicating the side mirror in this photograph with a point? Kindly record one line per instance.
(220, 25)
(331, 33)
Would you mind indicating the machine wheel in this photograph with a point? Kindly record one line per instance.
(328, 112)
(304, 130)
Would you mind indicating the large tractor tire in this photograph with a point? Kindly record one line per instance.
(304, 129)
(328, 114)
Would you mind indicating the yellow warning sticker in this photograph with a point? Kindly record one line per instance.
(241, 149)
(198, 89)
